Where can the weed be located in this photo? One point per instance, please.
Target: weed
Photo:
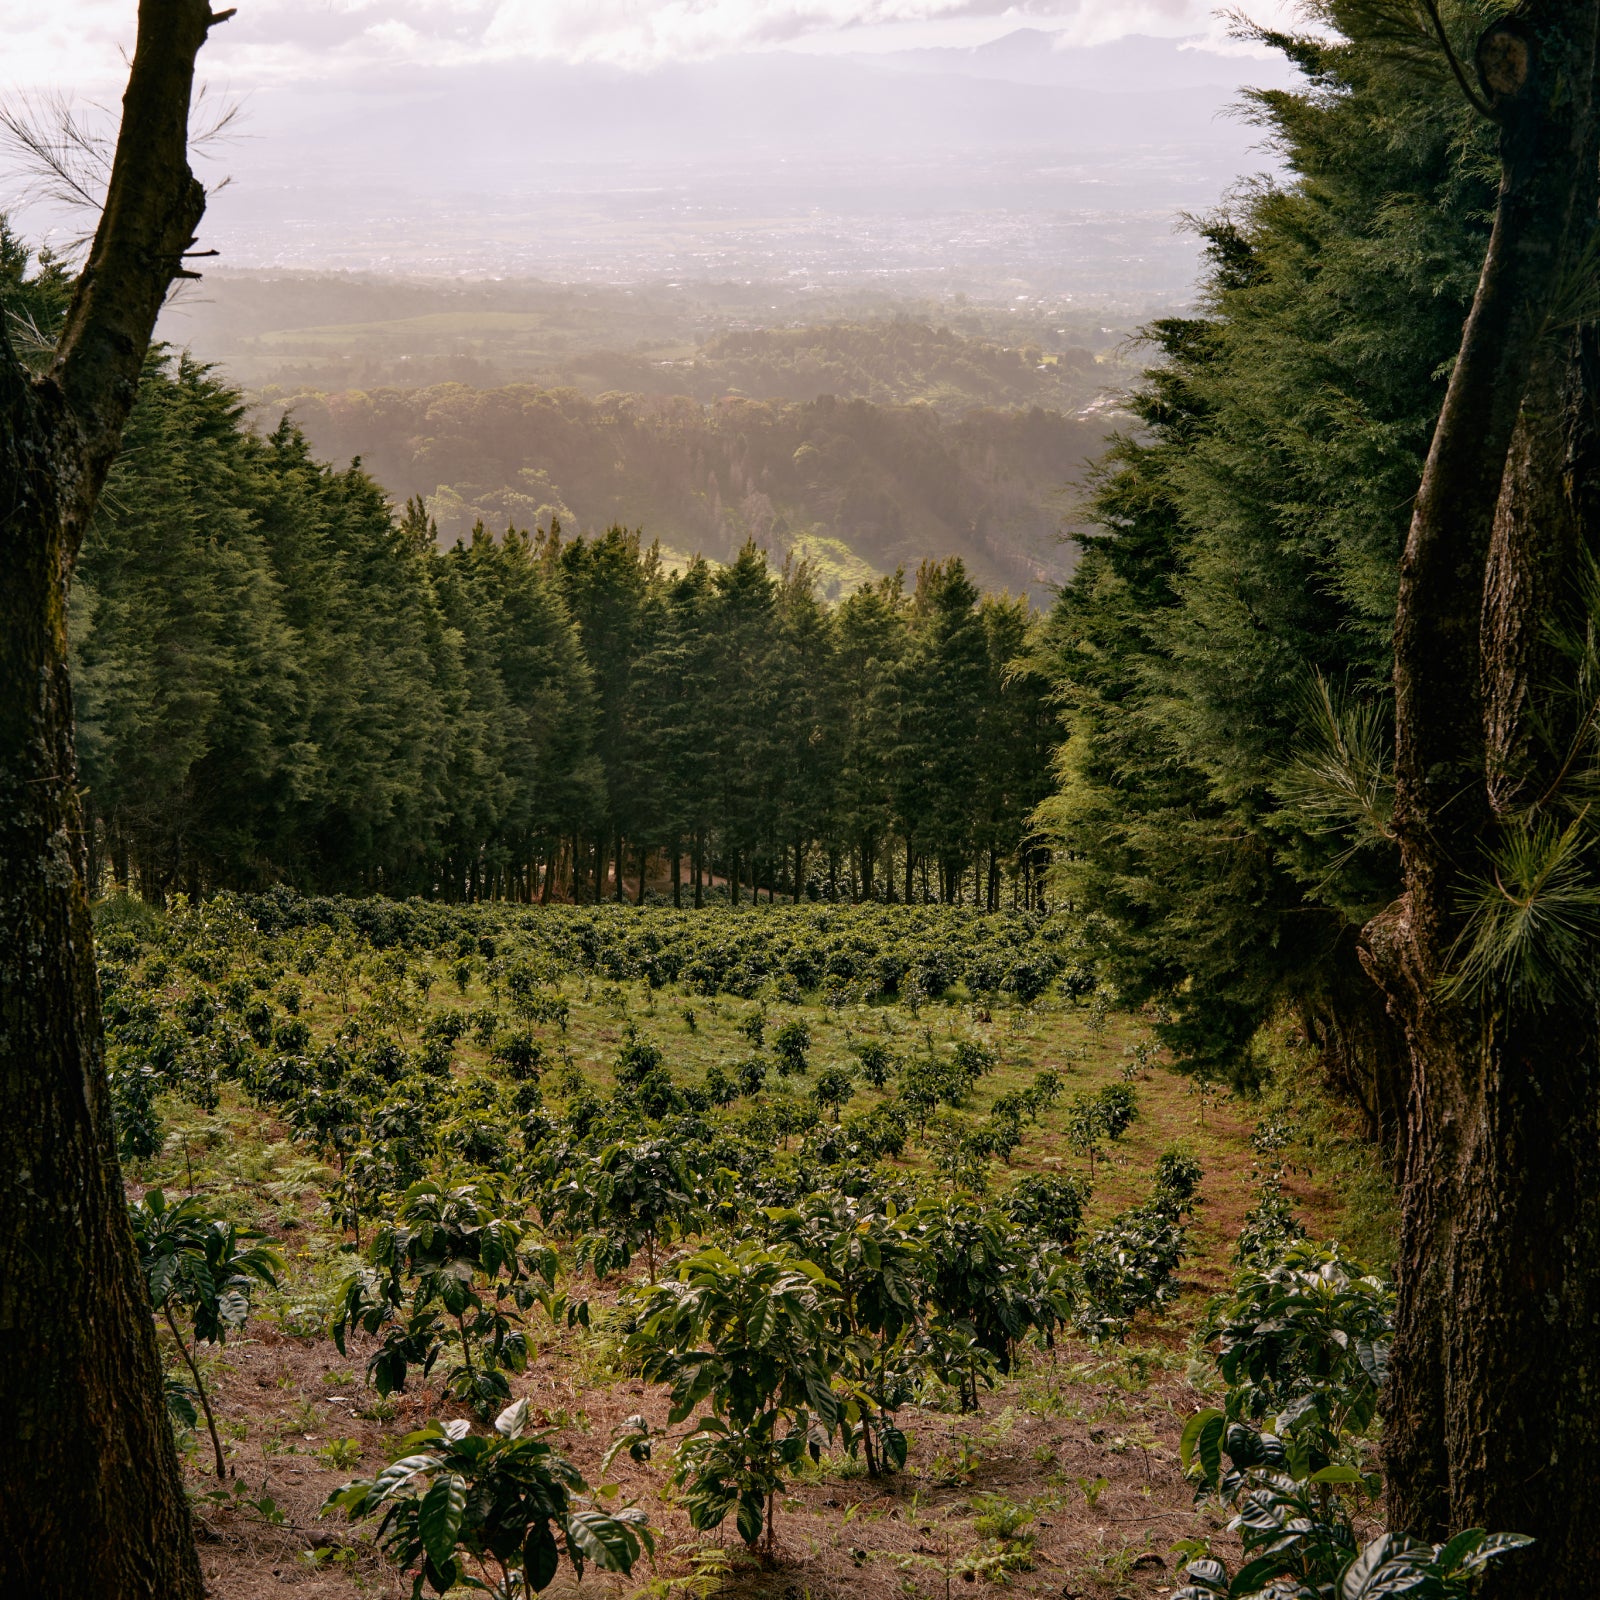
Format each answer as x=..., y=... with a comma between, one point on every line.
x=1113, y=1567
x=326, y=1556
x=999, y=1518
x=241, y=1497
x=710, y=1569
x=341, y=1454
x=303, y=1417
x=956, y=1466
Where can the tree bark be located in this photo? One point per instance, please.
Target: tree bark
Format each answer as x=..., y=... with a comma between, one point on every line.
x=1361, y=1051
x=1492, y=1411
x=91, y=1496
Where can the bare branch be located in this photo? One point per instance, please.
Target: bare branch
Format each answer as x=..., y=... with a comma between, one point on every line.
x=62, y=151
x=153, y=206
x=1474, y=99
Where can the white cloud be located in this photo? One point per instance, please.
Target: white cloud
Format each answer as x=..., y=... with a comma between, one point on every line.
x=80, y=42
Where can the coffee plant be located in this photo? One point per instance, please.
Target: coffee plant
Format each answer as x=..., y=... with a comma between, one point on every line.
x=494, y=1513
x=1302, y=1343
x=800, y=1224
x=201, y=1269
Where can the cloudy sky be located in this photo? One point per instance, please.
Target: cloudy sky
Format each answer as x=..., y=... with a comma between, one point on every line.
x=79, y=43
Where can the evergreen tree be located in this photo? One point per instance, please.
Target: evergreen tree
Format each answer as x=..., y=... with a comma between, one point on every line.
x=944, y=683
x=746, y=753
x=871, y=629
x=91, y=1492
x=806, y=753
x=1237, y=603
x=678, y=727
x=281, y=679
x=608, y=584
x=1016, y=736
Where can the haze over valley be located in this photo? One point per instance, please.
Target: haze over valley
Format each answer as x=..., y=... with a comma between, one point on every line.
x=1022, y=164
x=976, y=229
x=703, y=248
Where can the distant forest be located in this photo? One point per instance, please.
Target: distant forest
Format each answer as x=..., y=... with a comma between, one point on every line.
x=891, y=362
x=332, y=331
x=892, y=482
x=279, y=680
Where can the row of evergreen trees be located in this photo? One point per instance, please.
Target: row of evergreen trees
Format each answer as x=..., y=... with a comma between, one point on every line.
x=278, y=679
x=1224, y=651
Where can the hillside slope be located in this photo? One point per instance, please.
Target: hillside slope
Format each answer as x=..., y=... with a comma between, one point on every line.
x=895, y=483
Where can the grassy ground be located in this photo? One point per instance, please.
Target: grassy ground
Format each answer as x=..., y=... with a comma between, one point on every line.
x=1066, y=1483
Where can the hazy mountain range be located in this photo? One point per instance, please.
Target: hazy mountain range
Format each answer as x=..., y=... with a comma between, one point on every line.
x=1018, y=163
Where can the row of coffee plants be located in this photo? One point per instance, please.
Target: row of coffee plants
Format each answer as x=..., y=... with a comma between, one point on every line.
x=808, y=1270
x=866, y=951
x=1302, y=1350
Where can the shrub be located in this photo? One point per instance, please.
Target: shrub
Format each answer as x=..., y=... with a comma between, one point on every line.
x=1049, y=1206
x=1307, y=1338
x=834, y=1087
x=1128, y=1267
x=637, y=1060
x=791, y=1044
x=519, y=1052
x=874, y=1062
x=492, y=1512
x=1178, y=1177
x=193, y=1264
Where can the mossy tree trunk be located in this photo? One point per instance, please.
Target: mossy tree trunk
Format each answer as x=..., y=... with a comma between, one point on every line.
x=91, y=1496
x=1493, y=1406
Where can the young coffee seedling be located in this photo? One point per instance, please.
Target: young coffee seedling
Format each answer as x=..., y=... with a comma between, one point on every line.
x=194, y=1266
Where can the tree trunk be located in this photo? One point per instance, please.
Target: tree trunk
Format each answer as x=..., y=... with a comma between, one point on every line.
x=1492, y=1410
x=1361, y=1052
x=91, y=1496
